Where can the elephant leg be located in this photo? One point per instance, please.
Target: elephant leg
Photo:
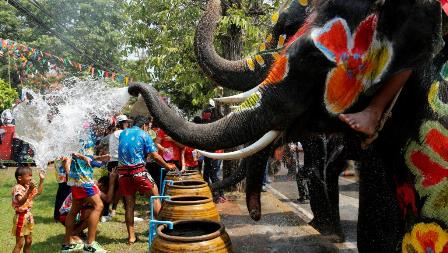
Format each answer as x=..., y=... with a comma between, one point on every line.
x=379, y=220
x=333, y=172
x=314, y=163
x=256, y=165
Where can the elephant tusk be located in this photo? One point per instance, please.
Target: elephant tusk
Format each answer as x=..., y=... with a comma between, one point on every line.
x=247, y=151
x=238, y=98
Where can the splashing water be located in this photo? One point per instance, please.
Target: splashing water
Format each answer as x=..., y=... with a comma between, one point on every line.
x=55, y=122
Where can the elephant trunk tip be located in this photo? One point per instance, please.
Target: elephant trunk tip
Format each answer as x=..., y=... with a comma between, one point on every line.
x=255, y=214
x=133, y=89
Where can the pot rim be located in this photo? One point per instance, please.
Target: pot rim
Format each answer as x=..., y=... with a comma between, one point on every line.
x=210, y=236
x=187, y=173
x=206, y=199
x=200, y=184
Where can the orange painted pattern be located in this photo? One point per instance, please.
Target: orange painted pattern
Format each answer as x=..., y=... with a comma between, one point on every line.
x=278, y=71
x=342, y=90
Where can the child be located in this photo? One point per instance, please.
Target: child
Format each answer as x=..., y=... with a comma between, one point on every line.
x=107, y=187
x=23, y=194
x=84, y=190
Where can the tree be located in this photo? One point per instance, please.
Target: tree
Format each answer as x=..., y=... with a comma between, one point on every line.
x=7, y=95
x=165, y=29
x=94, y=28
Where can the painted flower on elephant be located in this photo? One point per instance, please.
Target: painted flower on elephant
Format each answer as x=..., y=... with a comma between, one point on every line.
x=428, y=160
x=434, y=101
x=425, y=238
x=361, y=60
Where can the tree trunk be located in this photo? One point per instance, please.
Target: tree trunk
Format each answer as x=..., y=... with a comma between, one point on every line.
x=232, y=49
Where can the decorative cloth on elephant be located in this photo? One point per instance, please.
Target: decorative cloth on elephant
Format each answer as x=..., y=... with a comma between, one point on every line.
x=361, y=60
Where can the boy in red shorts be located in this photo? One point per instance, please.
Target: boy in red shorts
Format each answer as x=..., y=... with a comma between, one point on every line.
x=84, y=191
x=23, y=194
x=134, y=147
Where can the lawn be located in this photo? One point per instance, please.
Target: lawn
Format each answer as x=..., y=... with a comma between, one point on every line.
x=48, y=235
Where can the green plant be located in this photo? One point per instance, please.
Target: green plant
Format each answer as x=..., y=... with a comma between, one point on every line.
x=7, y=95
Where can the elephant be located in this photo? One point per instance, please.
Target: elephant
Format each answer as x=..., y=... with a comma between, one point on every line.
x=335, y=63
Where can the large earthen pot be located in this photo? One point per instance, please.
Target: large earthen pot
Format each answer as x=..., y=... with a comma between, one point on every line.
x=188, y=175
x=188, y=187
x=186, y=207
x=195, y=236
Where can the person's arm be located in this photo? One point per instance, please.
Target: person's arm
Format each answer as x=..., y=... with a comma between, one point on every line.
x=110, y=192
x=162, y=162
x=40, y=188
x=21, y=199
x=83, y=157
x=66, y=161
x=102, y=158
x=159, y=146
x=183, y=158
x=168, y=138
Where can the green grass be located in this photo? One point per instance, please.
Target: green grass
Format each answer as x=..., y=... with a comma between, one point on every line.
x=48, y=235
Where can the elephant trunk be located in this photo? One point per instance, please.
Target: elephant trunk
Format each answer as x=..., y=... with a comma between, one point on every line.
x=241, y=75
x=254, y=182
x=230, y=131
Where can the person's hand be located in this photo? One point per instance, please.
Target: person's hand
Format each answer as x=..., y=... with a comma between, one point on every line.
x=42, y=174
x=113, y=175
x=32, y=186
x=183, y=170
x=171, y=166
x=107, y=157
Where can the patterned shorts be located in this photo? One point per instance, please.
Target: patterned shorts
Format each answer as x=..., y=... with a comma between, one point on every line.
x=84, y=191
x=23, y=224
x=133, y=180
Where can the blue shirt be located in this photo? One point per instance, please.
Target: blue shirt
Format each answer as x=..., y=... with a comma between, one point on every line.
x=134, y=145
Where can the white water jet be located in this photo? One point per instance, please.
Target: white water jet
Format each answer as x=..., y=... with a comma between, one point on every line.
x=54, y=123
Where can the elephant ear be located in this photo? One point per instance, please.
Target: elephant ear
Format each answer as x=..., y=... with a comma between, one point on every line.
x=332, y=39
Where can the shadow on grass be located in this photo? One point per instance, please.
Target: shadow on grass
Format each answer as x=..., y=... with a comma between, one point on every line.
x=43, y=219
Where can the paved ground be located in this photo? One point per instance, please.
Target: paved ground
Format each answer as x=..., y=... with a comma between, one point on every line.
x=286, y=191
x=279, y=230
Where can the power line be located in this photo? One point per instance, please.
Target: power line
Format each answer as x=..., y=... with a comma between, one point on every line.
x=16, y=4
x=104, y=60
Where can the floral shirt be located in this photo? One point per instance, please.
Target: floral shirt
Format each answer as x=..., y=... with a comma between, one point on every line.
x=19, y=191
x=81, y=174
x=134, y=145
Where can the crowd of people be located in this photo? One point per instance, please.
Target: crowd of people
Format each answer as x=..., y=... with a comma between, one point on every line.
x=132, y=151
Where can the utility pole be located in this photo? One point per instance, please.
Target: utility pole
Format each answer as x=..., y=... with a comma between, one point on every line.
x=9, y=69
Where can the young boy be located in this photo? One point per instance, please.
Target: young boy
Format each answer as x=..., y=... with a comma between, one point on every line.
x=84, y=191
x=23, y=194
x=107, y=187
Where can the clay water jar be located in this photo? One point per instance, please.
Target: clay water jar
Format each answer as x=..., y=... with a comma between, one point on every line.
x=188, y=187
x=189, y=207
x=196, y=236
x=188, y=175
